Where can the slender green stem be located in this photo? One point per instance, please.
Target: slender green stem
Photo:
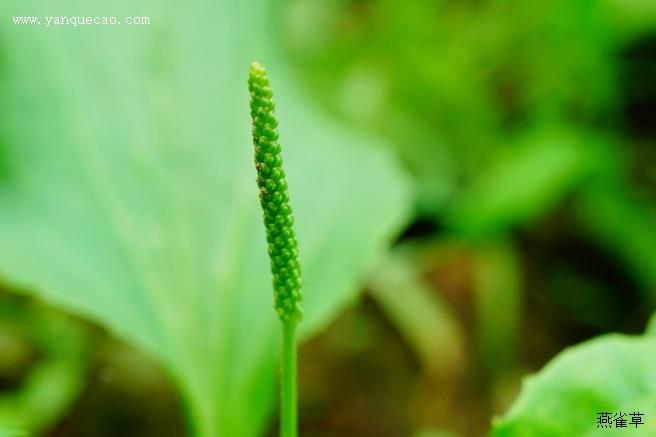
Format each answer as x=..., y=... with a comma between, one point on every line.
x=288, y=396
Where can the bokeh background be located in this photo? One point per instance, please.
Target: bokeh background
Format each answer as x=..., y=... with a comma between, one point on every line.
x=527, y=131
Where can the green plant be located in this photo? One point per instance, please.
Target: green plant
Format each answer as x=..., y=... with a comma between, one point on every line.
x=281, y=239
x=55, y=379
x=612, y=373
x=133, y=203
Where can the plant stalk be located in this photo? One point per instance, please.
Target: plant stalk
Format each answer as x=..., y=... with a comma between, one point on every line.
x=288, y=395
x=281, y=239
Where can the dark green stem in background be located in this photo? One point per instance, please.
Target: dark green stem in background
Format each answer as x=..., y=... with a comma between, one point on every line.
x=281, y=239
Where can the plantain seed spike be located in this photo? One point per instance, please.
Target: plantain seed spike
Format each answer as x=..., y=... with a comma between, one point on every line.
x=278, y=219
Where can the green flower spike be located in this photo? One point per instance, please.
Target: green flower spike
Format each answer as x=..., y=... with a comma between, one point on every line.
x=283, y=249
x=278, y=219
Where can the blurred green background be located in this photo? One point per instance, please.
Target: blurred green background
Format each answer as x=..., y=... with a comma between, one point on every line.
x=513, y=184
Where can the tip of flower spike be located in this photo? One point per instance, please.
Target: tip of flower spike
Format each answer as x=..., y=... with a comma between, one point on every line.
x=257, y=69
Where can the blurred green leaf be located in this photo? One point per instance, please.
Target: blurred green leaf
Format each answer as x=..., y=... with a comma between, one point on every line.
x=422, y=317
x=633, y=16
x=8, y=431
x=613, y=373
x=53, y=383
x=47, y=393
x=130, y=194
x=522, y=183
x=623, y=222
x=651, y=325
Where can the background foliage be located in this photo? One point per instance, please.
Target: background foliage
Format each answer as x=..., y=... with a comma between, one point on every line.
x=482, y=172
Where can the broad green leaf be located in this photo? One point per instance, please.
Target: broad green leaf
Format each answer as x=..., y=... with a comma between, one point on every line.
x=128, y=193
x=613, y=373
